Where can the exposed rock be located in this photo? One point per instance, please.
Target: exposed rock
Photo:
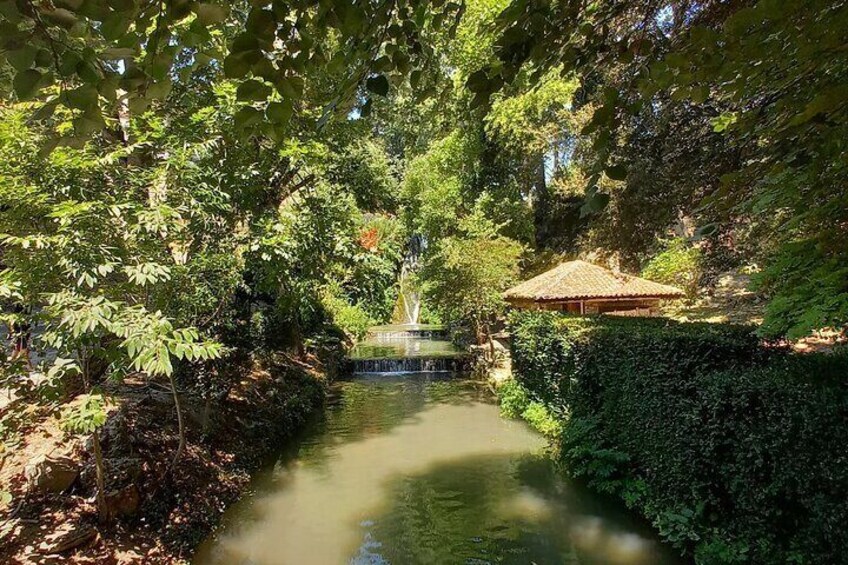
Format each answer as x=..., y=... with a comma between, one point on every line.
x=9, y=530
x=128, y=557
x=500, y=345
x=67, y=537
x=123, y=503
x=49, y=474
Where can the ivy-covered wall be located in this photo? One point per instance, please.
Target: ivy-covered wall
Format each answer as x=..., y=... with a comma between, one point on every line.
x=736, y=452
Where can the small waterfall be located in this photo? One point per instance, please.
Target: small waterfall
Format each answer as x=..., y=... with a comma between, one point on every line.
x=407, y=348
x=408, y=365
x=390, y=334
x=409, y=298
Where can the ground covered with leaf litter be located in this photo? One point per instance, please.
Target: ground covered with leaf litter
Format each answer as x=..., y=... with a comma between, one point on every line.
x=160, y=516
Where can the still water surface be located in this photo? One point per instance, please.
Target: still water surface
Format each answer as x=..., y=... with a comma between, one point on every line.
x=422, y=469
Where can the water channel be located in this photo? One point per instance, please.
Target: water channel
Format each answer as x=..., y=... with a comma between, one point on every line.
x=420, y=468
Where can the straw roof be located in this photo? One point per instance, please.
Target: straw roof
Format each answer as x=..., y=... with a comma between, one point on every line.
x=579, y=280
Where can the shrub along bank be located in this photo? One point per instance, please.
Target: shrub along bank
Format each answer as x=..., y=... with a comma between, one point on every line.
x=515, y=402
x=735, y=452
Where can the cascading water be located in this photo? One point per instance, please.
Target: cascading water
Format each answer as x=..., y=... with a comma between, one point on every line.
x=408, y=307
x=407, y=348
x=409, y=300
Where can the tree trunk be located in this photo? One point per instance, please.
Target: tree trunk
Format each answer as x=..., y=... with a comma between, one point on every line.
x=491, y=342
x=180, y=425
x=207, y=415
x=541, y=202
x=300, y=348
x=102, y=508
x=478, y=332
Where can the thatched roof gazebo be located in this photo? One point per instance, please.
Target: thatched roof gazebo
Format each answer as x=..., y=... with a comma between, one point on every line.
x=583, y=288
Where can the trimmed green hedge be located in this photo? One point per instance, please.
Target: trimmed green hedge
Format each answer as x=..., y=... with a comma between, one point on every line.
x=735, y=452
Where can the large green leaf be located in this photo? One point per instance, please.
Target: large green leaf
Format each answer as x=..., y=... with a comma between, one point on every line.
x=115, y=26
x=247, y=117
x=291, y=87
x=22, y=58
x=26, y=83
x=594, y=203
x=616, y=172
x=236, y=65
x=279, y=112
x=253, y=90
x=378, y=85
x=210, y=14
x=478, y=82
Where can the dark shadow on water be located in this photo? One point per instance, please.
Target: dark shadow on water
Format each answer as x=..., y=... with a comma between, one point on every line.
x=504, y=509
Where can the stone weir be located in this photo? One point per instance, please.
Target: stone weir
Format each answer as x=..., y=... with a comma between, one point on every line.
x=393, y=332
x=407, y=348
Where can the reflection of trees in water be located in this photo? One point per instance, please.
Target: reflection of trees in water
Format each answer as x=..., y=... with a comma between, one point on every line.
x=460, y=513
x=369, y=406
x=503, y=509
x=435, y=492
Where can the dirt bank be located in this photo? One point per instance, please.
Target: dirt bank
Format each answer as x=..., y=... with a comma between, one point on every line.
x=163, y=516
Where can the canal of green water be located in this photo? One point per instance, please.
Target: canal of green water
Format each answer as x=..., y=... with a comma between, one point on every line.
x=421, y=468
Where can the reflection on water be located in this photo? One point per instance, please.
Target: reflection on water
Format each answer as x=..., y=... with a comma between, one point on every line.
x=423, y=470
x=404, y=349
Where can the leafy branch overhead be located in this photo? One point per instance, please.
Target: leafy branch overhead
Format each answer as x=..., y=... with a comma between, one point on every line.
x=94, y=57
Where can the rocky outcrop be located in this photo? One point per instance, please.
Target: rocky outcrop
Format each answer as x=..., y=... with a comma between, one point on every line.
x=50, y=474
x=123, y=503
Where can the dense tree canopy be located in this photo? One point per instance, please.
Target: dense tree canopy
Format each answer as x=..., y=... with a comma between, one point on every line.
x=184, y=182
x=734, y=111
x=91, y=56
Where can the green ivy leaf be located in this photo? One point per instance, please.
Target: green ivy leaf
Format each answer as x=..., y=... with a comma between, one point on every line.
x=236, y=65
x=81, y=98
x=46, y=111
x=379, y=85
x=253, y=90
x=279, y=112
x=477, y=82
x=700, y=94
x=26, y=83
x=210, y=14
x=247, y=117
x=415, y=78
x=594, y=203
x=115, y=26
x=291, y=87
x=23, y=58
x=616, y=172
